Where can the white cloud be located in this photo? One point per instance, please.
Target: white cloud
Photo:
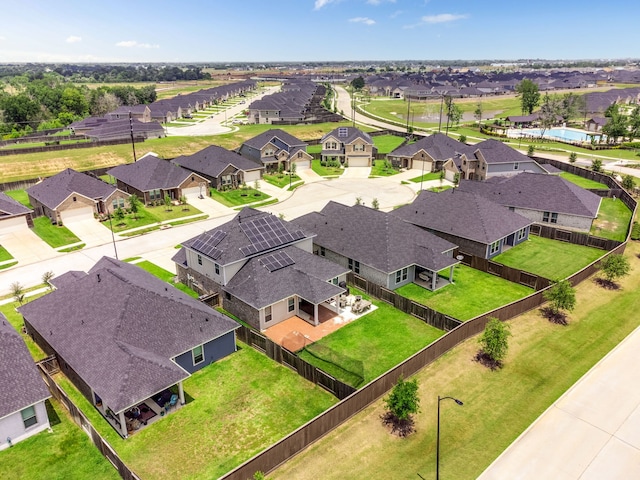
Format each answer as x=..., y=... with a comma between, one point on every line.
x=378, y=2
x=442, y=18
x=73, y=39
x=396, y=13
x=133, y=43
x=365, y=20
x=321, y=3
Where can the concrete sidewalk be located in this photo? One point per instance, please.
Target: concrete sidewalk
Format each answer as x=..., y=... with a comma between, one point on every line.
x=591, y=433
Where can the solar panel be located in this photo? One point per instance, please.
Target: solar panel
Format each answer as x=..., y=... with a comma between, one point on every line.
x=265, y=233
x=207, y=243
x=343, y=132
x=276, y=261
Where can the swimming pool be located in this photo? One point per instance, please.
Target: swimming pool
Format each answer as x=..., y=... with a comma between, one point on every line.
x=562, y=134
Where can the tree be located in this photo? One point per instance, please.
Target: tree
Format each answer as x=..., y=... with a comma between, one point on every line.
x=134, y=205
x=401, y=404
x=456, y=179
x=573, y=156
x=614, y=267
x=477, y=113
x=628, y=183
x=293, y=168
x=118, y=214
x=441, y=175
x=596, y=165
x=167, y=203
x=494, y=343
x=463, y=138
x=357, y=83
x=634, y=123
x=561, y=296
x=549, y=112
x=46, y=279
x=529, y=95
x=17, y=291
x=571, y=106
x=617, y=125
x=531, y=150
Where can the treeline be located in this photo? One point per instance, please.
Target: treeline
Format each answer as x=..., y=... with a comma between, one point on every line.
x=48, y=101
x=108, y=73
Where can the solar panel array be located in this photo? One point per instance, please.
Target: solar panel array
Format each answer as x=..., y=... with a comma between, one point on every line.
x=343, y=132
x=207, y=244
x=276, y=261
x=265, y=233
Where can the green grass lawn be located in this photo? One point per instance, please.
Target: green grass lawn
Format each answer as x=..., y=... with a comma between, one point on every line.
x=440, y=189
x=548, y=258
x=16, y=320
x=387, y=143
x=544, y=360
x=54, y=235
x=280, y=180
x=66, y=453
x=473, y=293
x=383, y=168
x=583, y=182
x=20, y=196
x=4, y=254
x=380, y=340
x=241, y=404
x=150, y=215
x=426, y=177
x=311, y=149
x=165, y=275
x=612, y=221
x=325, y=171
x=233, y=198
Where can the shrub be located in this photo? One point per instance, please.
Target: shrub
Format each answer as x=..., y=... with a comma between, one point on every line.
x=635, y=231
x=531, y=150
x=401, y=404
x=494, y=343
x=463, y=138
x=573, y=157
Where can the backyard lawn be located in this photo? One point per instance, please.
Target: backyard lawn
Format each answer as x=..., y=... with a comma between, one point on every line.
x=548, y=258
x=165, y=275
x=20, y=196
x=543, y=361
x=613, y=220
x=380, y=340
x=240, y=196
x=473, y=293
x=325, y=171
x=152, y=215
x=16, y=320
x=387, y=143
x=235, y=408
x=54, y=235
x=280, y=180
x=583, y=182
x=382, y=168
x=311, y=149
x=66, y=453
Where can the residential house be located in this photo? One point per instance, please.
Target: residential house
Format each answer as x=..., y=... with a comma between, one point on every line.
x=223, y=168
x=350, y=145
x=13, y=215
x=544, y=199
x=152, y=178
x=477, y=225
x=139, y=112
x=22, y=397
x=263, y=268
x=380, y=247
x=126, y=339
x=276, y=147
x=72, y=196
x=595, y=124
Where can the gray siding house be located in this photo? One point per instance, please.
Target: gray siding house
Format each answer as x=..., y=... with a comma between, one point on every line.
x=276, y=147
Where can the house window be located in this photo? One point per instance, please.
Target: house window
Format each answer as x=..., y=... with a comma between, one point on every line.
x=227, y=296
x=117, y=203
x=216, y=268
x=198, y=355
x=322, y=252
x=291, y=304
x=495, y=246
x=522, y=233
x=226, y=180
x=402, y=275
x=354, y=265
x=299, y=154
x=549, y=217
x=331, y=146
x=74, y=199
x=155, y=195
x=358, y=148
x=29, y=417
x=199, y=259
x=267, y=314
x=516, y=166
x=269, y=153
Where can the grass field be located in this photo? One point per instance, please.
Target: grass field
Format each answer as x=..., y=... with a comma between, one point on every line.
x=472, y=293
x=241, y=404
x=613, y=220
x=65, y=453
x=166, y=276
x=583, y=182
x=380, y=340
x=233, y=198
x=548, y=258
x=544, y=360
x=387, y=143
x=54, y=235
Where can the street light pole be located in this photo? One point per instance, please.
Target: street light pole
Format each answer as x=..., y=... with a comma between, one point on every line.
x=438, y=433
x=440, y=120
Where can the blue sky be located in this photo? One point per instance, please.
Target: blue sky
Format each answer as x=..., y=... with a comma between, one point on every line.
x=316, y=30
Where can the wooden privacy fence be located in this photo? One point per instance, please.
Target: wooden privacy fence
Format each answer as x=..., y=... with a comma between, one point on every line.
x=285, y=357
x=82, y=421
x=69, y=146
x=577, y=238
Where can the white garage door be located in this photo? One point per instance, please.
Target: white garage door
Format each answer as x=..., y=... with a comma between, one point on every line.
x=303, y=164
x=358, y=162
x=193, y=192
x=422, y=166
x=449, y=175
x=77, y=215
x=13, y=224
x=251, y=176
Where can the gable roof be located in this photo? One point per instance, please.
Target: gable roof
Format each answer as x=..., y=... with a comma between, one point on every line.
x=438, y=146
x=306, y=275
x=52, y=191
x=119, y=327
x=537, y=191
x=374, y=238
x=22, y=385
x=213, y=160
x=261, y=140
x=462, y=214
x=494, y=151
x=347, y=135
x=150, y=173
x=10, y=207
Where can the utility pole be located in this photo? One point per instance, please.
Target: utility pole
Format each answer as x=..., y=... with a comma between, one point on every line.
x=133, y=143
x=408, y=110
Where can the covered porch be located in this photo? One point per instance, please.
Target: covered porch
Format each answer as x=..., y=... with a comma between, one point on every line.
x=432, y=280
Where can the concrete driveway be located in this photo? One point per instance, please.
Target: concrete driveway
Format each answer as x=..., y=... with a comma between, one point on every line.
x=90, y=231
x=26, y=247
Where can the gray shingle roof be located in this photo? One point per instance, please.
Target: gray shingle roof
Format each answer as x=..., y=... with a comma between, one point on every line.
x=536, y=191
x=308, y=278
x=119, y=327
x=495, y=151
x=213, y=160
x=10, y=207
x=350, y=134
x=261, y=140
x=438, y=145
x=462, y=214
x=150, y=173
x=22, y=385
x=375, y=238
x=52, y=191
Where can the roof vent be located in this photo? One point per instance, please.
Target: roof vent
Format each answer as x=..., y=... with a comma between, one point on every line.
x=98, y=278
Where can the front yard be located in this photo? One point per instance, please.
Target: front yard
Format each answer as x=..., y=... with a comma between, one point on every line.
x=613, y=220
x=380, y=340
x=280, y=180
x=240, y=196
x=152, y=215
x=325, y=170
x=548, y=258
x=472, y=293
x=4, y=254
x=426, y=177
x=55, y=235
x=235, y=408
x=383, y=168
